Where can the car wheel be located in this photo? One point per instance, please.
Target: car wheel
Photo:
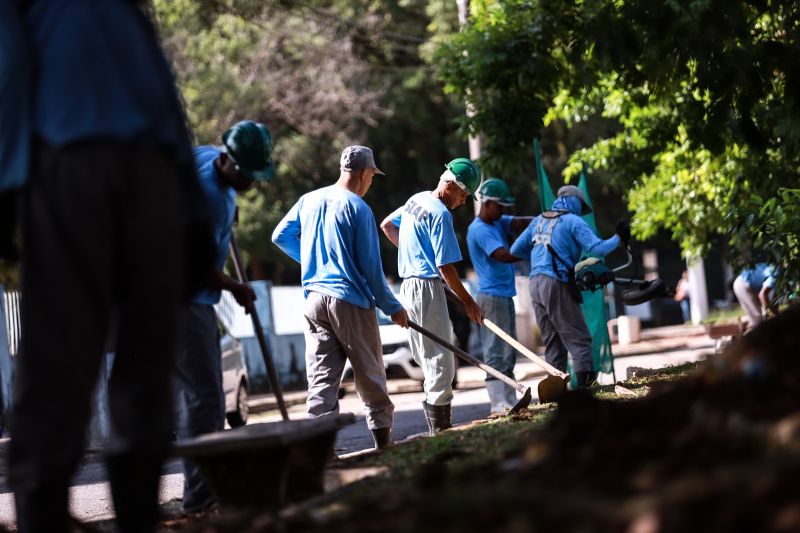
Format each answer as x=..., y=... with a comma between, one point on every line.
x=238, y=417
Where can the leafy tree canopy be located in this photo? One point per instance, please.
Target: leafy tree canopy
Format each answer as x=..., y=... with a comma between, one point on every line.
x=704, y=94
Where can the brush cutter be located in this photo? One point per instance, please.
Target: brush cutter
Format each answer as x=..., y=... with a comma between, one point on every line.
x=591, y=274
x=526, y=391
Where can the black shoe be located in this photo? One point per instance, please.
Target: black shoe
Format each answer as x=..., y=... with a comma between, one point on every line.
x=437, y=416
x=382, y=438
x=586, y=379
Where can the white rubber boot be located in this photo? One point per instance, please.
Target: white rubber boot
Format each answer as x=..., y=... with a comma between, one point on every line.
x=498, y=402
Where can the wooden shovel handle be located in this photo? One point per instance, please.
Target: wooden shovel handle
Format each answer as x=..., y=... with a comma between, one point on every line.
x=550, y=369
x=467, y=357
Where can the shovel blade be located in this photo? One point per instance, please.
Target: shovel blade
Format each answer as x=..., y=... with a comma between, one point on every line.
x=552, y=389
x=523, y=402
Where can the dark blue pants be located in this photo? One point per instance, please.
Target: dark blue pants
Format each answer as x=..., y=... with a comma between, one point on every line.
x=200, y=398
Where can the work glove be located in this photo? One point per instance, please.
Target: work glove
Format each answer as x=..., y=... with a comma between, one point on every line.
x=624, y=230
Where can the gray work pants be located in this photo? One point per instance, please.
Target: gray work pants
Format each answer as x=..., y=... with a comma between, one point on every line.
x=748, y=299
x=561, y=322
x=425, y=302
x=497, y=353
x=200, y=398
x=335, y=332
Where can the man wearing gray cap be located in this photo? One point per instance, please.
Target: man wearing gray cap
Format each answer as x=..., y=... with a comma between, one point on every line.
x=332, y=233
x=554, y=241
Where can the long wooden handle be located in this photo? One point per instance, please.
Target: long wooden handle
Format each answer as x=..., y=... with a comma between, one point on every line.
x=468, y=358
x=272, y=372
x=550, y=369
x=547, y=367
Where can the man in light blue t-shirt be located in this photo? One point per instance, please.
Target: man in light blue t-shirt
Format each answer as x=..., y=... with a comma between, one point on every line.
x=332, y=233
x=244, y=158
x=423, y=231
x=753, y=288
x=554, y=241
x=487, y=241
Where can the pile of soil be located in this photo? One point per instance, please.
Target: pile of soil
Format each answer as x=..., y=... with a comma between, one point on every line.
x=717, y=451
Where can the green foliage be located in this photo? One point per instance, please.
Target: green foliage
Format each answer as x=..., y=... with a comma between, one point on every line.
x=321, y=75
x=704, y=95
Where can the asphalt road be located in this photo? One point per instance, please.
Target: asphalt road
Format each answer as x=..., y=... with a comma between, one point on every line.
x=90, y=496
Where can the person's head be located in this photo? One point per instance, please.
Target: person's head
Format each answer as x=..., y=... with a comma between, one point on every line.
x=247, y=155
x=494, y=196
x=460, y=179
x=573, y=199
x=357, y=168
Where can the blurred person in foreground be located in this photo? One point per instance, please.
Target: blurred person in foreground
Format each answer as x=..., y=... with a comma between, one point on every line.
x=94, y=141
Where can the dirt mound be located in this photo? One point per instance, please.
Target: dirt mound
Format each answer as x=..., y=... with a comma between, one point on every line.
x=717, y=451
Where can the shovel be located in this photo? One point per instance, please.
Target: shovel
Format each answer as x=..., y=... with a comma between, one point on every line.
x=524, y=402
x=550, y=389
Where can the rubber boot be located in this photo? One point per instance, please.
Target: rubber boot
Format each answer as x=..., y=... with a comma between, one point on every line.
x=437, y=416
x=498, y=402
x=585, y=379
x=382, y=438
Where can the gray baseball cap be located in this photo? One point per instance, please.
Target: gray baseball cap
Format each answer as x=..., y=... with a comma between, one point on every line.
x=571, y=190
x=357, y=158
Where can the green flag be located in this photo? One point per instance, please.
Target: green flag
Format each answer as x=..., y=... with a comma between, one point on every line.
x=594, y=305
x=546, y=196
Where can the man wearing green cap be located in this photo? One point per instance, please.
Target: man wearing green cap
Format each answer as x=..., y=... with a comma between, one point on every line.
x=244, y=158
x=422, y=229
x=487, y=241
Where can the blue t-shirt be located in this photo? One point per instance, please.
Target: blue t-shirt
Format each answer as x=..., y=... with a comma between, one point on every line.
x=221, y=200
x=571, y=237
x=332, y=233
x=83, y=69
x=427, y=237
x=762, y=275
x=494, y=277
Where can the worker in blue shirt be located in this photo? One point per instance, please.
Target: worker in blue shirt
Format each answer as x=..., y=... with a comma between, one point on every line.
x=555, y=241
x=487, y=242
x=244, y=158
x=753, y=288
x=422, y=229
x=94, y=133
x=332, y=233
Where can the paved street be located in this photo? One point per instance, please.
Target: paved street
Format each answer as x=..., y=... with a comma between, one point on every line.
x=91, y=498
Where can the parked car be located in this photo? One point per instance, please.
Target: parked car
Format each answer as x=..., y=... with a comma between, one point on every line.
x=397, y=358
x=234, y=381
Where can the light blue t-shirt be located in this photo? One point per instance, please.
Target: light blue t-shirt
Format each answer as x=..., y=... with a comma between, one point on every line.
x=762, y=275
x=427, y=237
x=494, y=277
x=570, y=238
x=72, y=70
x=222, y=203
x=332, y=233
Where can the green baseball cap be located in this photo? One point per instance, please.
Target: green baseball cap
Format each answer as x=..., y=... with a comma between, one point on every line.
x=249, y=144
x=464, y=172
x=496, y=190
